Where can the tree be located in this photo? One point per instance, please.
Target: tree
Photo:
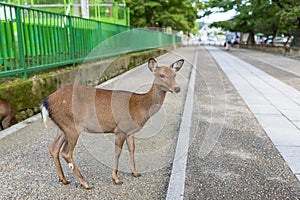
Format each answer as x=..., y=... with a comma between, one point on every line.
x=271, y=17
x=177, y=14
x=252, y=16
x=289, y=10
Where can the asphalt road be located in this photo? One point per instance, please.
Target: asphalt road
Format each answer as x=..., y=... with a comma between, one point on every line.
x=230, y=156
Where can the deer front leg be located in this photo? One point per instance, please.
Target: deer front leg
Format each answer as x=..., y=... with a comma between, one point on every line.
x=119, y=141
x=131, y=148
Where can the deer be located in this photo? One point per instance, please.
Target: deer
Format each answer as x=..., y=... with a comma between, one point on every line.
x=77, y=109
x=7, y=114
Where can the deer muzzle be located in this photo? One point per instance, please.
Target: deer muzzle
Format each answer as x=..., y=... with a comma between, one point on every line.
x=177, y=89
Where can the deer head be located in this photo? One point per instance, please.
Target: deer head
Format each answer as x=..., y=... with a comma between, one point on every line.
x=165, y=76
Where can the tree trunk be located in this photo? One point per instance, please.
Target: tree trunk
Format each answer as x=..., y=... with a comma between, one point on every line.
x=251, y=39
x=296, y=40
x=296, y=33
x=149, y=12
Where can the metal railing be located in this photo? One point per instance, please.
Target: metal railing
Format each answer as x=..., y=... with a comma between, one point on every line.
x=33, y=39
x=110, y=11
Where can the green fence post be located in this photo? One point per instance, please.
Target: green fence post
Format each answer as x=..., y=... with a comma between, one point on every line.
x=2, y=53
x=71, y=39
x=127, y=10
x=20, y=41
x=115, y=12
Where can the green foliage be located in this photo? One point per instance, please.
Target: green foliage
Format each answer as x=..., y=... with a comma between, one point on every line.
x=270, y=17
x=177, y=14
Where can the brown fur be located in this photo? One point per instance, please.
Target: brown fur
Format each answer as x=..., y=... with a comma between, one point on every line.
x=75, y=109
x=7, y=114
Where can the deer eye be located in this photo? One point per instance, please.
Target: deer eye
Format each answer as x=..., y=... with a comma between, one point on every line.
x=162, y=76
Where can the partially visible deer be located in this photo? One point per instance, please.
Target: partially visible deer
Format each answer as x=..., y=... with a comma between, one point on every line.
x=75, y=109
x=7, y=114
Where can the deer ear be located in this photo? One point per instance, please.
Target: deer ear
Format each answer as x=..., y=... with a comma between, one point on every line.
x=152, y=64
x=177, y=65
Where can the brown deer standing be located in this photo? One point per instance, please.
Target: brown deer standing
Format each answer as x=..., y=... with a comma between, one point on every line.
x=7, y=114
x=75, y=109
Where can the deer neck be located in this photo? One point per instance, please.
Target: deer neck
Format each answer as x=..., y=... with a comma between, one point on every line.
x=154, y=99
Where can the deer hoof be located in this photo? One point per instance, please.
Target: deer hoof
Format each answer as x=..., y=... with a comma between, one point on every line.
x=65, y=182
x=118, y=182
x=89, y=188
x=136, y=174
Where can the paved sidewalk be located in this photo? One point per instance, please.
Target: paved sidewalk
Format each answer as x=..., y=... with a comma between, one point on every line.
x=288, y=64
x=283, y=68
x=275, y=104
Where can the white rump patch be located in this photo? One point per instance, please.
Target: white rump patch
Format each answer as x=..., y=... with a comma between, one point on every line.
x=45, y=114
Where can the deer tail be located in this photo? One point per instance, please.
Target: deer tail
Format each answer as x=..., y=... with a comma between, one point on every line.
x=45, y=111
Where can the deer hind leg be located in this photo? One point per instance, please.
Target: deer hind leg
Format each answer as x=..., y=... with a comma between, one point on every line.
x=6, y=122
x=119, y=141
x=54, y=150
x=71, y=139
x=131, y=148
x=1, y=126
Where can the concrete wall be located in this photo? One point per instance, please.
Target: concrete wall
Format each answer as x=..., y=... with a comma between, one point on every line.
x=27, y=95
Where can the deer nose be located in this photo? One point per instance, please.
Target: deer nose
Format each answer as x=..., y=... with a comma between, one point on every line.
x=177, y=89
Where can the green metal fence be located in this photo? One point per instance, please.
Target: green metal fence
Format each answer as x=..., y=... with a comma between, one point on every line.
x=33, y=40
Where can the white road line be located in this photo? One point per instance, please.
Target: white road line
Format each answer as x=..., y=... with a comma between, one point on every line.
x=177, y=179
x=123, y=75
